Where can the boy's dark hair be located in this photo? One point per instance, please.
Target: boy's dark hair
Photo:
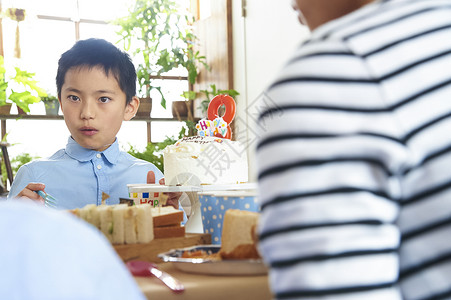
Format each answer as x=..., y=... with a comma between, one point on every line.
x=97, y=52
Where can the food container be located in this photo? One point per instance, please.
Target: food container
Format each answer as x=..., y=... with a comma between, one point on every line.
x=214, y=205
x=141, y=194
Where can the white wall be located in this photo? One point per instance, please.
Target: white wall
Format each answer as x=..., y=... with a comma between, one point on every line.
x=263, y=41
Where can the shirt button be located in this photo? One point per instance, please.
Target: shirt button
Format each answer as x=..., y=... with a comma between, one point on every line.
x=99, y=155
x=99, y=167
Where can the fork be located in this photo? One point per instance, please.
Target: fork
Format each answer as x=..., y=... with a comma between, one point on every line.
x=145, y=268
x=49, y=200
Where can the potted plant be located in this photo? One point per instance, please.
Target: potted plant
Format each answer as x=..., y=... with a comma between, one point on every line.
x=184, y=108
x=20, y=89
x=190, y=62
x=161, y=38
x=51, y=104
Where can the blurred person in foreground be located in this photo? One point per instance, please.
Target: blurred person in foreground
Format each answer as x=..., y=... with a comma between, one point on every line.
x=51, y=255
x=354, y=164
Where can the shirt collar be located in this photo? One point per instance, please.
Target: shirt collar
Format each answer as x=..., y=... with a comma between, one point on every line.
x=74, y=150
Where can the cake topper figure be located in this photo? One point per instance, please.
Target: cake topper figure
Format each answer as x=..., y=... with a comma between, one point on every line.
x=215, y=125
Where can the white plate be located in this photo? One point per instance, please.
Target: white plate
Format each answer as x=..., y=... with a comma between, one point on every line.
x=237, y=194
x=139, y=188
x=213, y=267
x=191, y=188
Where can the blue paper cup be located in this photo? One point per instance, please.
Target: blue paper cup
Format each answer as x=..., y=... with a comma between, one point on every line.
x=214, y=205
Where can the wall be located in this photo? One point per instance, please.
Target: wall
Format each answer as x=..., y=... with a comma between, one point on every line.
x=263, y=39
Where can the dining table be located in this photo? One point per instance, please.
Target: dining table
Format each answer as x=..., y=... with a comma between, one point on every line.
x=246, y=282
x=206, y=286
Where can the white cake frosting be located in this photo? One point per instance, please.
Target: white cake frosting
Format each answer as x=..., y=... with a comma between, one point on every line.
x=205, y=160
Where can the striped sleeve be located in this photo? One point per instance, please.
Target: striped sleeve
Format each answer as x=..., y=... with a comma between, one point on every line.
x=353, y=157
x=328, y=190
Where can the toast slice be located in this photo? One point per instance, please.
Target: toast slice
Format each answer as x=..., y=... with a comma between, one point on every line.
x=239, y=237
x=92, y=215
x=169, y=231
x=120, y=223
x=144, y=223
x=75, y=212
x=166, y=215
x=106, y=220
x=130, y=226
x=118, y=214
x=83, y=212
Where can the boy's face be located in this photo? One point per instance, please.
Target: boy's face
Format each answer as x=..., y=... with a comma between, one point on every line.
x=94, y=107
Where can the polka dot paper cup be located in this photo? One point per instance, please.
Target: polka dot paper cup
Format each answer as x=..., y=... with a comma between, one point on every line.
x=214, y=205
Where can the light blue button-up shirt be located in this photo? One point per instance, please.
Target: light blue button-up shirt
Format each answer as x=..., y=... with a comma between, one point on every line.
x=77, y=176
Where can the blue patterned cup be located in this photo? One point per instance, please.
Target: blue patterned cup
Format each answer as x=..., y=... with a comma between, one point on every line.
x=214, y=205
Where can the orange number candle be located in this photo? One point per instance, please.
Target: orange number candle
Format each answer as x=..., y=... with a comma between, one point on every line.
x=229, y=115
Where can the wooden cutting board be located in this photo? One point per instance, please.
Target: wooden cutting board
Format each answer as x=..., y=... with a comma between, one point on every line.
x=150, y=251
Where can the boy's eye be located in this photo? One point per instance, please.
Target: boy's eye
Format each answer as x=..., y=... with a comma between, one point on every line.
x=73, y=98
x=104, y=99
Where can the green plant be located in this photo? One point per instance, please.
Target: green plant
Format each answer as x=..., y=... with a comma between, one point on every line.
x=20, y=89
x=17, y=162
x=188, y=130
x=153, y=152
x=50, y=101
x=213, y=91
x=162, y=39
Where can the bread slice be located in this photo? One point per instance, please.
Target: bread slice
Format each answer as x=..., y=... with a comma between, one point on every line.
x=162, y=199
x=84, y=212
x=120, y=223
x=75, y=212
x=106, y=220
x=92, y=215
x=118, y=214
x=238, y=240
x=169, y=231
x=144, y=223
x=166, y=215
x=130, y=226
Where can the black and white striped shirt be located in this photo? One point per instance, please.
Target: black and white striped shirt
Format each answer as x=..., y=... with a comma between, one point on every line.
x=355, y=159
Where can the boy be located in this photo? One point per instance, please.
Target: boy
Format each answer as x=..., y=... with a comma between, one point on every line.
x=96, y=85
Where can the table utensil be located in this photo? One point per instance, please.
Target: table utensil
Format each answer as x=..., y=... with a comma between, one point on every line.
x=230, y=267
x=144, y=268
x=49, y=200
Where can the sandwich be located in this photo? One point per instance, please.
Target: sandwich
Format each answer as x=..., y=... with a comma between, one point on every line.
x=118, y=215
x=106, y=220
x=167, y=222
x=144, y=223
x=124, y=224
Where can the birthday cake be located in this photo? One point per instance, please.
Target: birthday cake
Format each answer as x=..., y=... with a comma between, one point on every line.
x=199, y=160
x=211, y=157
